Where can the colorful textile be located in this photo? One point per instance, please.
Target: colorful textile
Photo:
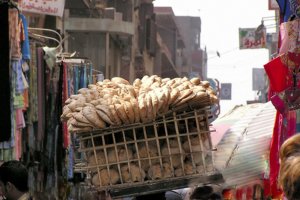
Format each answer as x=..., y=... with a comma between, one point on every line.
x=14, y=34
x=289, y=35
x=65, y=97
x=18, y=78
x=25, y=44
x=41, y=80
x=33, y=97
x=277, y=74
x=279, y=71
x=285, y=9
x=274, y=156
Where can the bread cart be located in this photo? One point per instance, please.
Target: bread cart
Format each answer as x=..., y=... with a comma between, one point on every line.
x=173, y=150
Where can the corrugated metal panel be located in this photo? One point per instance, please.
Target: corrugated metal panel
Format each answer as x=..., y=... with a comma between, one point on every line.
x=240, y=153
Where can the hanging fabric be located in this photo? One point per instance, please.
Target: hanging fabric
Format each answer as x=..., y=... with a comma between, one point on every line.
x=283, y=74
x=285, y=9
x=41, y=96
x=25, y=43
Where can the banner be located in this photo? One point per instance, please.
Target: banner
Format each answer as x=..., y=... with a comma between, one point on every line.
x=45, y=7
x=252, y=38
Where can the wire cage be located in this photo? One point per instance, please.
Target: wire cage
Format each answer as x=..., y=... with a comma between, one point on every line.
x=170, y=153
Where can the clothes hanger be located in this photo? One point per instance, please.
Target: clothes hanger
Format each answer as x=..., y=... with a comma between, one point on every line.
x=60, y=41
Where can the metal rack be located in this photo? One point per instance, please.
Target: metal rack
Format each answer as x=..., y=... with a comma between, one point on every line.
x=170, y=153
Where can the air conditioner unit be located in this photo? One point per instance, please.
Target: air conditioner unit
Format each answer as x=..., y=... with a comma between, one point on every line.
x=109, y=13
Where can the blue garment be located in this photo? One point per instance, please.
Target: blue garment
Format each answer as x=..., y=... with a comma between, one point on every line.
x=17, y=70
x=85, y=76
x=25, y=45
x=285, y=9
x=91, y=74
x=75, y=78
x=71, y=163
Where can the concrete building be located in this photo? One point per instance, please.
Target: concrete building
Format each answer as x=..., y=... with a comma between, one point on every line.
x=194, y=58
x=169, y=41
x=114, y=34
x=131, y=38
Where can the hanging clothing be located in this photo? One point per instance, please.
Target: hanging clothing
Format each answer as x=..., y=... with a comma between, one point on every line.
x=277, y=73
x=289, y=35
x=33, y=97
x=41, y=96
x=280, y=69
x=280, y=73
x=25, y=43
x=285, y=9
x=14, y=34
x=66, y=93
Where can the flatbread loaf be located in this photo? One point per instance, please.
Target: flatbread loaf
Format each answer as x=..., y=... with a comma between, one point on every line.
x=136, y=110
x=142, y=107
x=121, y=113
x=92, y=116
x=80, y=117
x=129, y=111
x=119, y=80
x=196, y=81
x=105, y=109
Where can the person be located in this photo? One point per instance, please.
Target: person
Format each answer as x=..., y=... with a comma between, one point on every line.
x=289, y=147
x=205, y=193
x=14, y=181
x=289, y=172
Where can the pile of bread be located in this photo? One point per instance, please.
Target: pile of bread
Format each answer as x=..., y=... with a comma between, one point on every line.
x=152, y=161
x=116, y=102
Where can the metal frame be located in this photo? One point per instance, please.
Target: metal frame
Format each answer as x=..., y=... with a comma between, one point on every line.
x=181, y=127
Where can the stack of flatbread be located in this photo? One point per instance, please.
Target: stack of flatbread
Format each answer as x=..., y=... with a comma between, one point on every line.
x=116, y=102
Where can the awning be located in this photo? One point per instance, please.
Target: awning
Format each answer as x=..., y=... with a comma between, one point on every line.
x=242, y=139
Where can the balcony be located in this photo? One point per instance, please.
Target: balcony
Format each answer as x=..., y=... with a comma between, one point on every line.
x=110, y=24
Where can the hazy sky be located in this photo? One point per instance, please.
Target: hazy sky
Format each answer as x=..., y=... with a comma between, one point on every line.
x=220, y=21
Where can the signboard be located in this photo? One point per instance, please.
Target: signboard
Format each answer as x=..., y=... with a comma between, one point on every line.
x=252, y=38
x=258, y=79
x=45, y=7
x=225, y=93
x=273, y=5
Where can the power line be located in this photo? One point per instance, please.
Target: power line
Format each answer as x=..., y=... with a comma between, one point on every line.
x=218, y=55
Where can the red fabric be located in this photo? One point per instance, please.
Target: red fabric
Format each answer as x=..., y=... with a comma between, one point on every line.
x=267, y=190
x=249, y=194
x=65, y=97
x=239, y=194
x=277, y=73
x=274, y=156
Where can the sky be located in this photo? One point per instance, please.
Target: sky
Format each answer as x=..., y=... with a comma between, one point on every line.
x=220, y=22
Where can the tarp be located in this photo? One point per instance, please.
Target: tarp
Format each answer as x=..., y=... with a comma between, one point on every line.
x=242, y=138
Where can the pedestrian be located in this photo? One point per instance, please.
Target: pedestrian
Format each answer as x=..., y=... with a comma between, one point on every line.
x=14, y=181
x=205, y=193
x=289, y=173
